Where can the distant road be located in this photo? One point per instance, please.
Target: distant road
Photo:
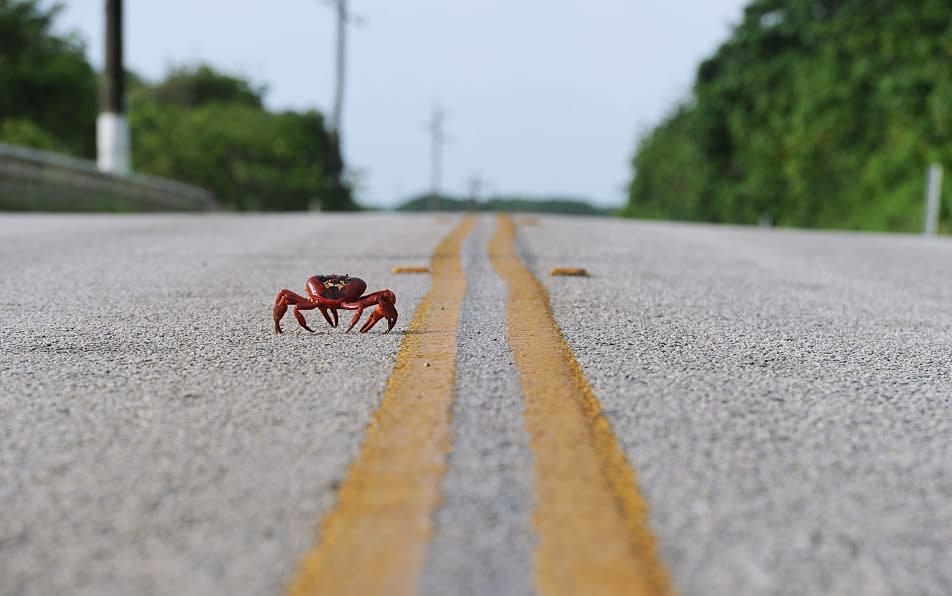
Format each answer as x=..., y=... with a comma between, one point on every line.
x=728, y=411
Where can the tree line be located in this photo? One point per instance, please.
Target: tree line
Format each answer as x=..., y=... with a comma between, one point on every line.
x=814, y=113
x=504, y=204
x=197, y=125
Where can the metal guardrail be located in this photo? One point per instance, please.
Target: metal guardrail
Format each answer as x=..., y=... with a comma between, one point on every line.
x=44, y=181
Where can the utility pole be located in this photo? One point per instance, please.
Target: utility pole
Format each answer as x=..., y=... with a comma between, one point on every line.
x=340, y=199
x=437, y=141
x=343, y=19
x=933, y=199
x=112, y=128
x=476, y=183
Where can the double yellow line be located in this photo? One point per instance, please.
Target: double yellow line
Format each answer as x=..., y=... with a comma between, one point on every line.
x=590, y=519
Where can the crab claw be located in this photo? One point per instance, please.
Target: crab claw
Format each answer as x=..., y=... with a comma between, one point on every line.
x=381, y=312
x=385, y=300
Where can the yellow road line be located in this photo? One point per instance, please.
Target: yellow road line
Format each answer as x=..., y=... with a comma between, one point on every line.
x=590, y=518
x=374, y=539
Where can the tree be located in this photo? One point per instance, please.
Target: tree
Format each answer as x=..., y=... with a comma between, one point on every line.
x=815, y=112
x=210, y=129
x=201, y=85
x=48, y=92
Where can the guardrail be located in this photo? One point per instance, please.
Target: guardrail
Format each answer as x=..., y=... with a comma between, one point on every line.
x=44, y=181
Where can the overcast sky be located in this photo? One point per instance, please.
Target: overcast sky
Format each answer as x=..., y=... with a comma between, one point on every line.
x=542, y=97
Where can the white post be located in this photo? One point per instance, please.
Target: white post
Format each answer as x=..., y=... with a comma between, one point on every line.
x=112, y=142
x=933, y=191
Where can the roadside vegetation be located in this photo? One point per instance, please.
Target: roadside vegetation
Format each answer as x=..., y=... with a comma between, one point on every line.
x=815, y=113
x=212, y=129
x=197, y=125
x=47, y=88
x=563, y=205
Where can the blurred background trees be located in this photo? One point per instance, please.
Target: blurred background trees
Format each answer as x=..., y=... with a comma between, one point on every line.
x=198, y=125
x=517, y=204
x=47, y=88
x=211, y=129
x=815, y=113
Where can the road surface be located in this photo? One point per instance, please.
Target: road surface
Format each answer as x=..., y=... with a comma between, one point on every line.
x=746, y=411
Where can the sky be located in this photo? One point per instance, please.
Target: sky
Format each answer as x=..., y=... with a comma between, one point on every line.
x=542, y=97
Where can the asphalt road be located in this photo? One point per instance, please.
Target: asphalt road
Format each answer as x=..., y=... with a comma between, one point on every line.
x=784, y=397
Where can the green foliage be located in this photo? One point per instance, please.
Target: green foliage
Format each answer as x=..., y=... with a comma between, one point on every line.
x=201, y=86
x=503, y=204
x=663, y=158
x=819, y=113
x=47, y=89
x=210, y=129
x=25, y=132
x=197, y=125
x=428, y=202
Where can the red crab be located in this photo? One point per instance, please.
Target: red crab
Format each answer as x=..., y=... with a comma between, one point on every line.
x=331, y=292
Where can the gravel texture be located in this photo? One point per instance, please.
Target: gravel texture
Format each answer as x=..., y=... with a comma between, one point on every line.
x=784, y=396
x=156, y=437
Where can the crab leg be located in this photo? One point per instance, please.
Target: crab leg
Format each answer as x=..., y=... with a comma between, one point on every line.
x=286, y=298
x=384, y=299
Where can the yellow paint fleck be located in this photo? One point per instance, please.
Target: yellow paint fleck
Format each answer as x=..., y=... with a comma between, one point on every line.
x=591, y=520
x=374, y=539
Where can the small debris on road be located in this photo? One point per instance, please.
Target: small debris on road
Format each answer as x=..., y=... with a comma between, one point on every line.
x=571, y=271
x=411, y=269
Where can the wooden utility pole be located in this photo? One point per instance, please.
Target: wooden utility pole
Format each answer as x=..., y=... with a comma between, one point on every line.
x=335, y=126
x=476, y=184
x=112, y=129
x=437, y=141
x=343, y=19
x=114, y=77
